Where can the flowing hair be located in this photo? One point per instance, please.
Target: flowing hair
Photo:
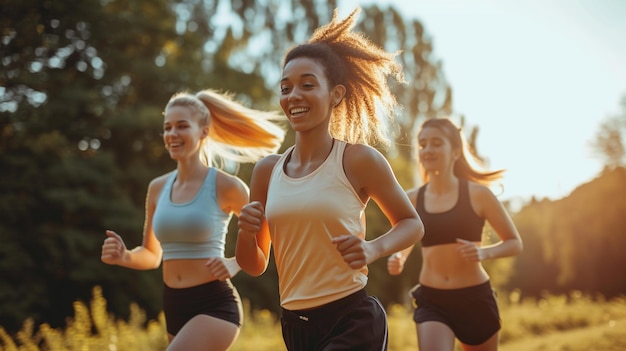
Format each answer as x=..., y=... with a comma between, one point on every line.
x=467, y=165
x=352, y=60
x=236, y=133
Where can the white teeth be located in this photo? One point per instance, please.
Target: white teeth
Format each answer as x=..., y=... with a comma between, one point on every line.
x=297, y=110
x=175, y=144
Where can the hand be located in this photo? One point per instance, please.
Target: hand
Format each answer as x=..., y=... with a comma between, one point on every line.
x=354, y=250
x=251, y=219
x=222, y=268
x=113, y=248
x=470, y=251
x=395, y=263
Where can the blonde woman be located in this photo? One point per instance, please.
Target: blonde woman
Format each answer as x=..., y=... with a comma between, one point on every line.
x=310, y=201
x=187, y=216
x=454, y=298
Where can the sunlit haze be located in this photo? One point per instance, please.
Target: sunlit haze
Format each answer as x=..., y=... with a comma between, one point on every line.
x=536, y=76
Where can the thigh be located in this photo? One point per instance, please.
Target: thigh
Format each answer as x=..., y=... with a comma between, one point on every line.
x=363, y=328
x=490, y=345
x=435, y=336
x=216, y=299
x=204, y=332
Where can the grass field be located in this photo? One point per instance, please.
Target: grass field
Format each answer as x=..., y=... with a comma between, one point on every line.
x=554, y=323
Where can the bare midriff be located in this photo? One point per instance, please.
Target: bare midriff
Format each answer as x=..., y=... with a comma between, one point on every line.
x=186, y=273
x=444, y=268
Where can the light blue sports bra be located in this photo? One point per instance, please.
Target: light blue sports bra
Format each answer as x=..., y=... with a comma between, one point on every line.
x=196, y=229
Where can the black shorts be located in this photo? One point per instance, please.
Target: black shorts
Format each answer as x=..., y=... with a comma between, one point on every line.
x=471, y=313
x=217, y=299
x=356, y=322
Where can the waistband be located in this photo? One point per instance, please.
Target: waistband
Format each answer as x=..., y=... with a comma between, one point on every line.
x=455, y=292
x=213, y=285
x=329, y=309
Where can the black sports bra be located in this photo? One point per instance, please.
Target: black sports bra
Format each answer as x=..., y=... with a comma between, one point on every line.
x=445, y=227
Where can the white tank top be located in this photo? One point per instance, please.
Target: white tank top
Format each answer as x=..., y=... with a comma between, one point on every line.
x=303, y=215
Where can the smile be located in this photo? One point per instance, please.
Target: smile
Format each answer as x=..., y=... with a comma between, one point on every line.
x=298, y=110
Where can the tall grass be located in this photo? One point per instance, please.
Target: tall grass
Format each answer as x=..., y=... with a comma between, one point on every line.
x=573, y=322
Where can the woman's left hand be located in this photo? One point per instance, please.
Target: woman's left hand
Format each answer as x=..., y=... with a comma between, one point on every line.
x=222, y=268
x=354, y=250
x=470, y=251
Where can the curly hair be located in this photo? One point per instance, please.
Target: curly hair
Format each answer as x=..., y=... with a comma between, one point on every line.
x=351, y=59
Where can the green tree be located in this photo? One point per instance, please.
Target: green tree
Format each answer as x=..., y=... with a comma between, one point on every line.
x=575, y=243
x=83, y=85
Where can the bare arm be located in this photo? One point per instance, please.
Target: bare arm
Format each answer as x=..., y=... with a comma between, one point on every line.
x=489, y=207
x=232, y=195
x=395, y=262
x=253, y=239
x=149, y=254
x=372, y=177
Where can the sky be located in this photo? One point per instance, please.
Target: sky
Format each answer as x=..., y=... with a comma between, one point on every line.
x=536, y=76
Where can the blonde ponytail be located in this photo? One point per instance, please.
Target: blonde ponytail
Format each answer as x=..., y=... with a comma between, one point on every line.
x=236, y=133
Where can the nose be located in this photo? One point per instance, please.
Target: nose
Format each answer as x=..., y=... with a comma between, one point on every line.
x=169, y=133
x=294, y=95
x=425, y=149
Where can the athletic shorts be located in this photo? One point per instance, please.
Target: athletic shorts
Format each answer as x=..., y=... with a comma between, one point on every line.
x=471, y=313
x=356, y=322
x=217, y=299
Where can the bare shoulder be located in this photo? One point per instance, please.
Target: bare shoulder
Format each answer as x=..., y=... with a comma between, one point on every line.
x=479, y=191
x=157, y=184
x=263, y=169
x=368, y=171
x=232, y=192
x=155, y=187
x=266, y=164
x=226, y=180
x=361, y=155
x=482, y=198
x=259, y=182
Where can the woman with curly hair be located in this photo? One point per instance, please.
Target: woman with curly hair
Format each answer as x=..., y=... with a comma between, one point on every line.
x=188, y=211
x=310, y=201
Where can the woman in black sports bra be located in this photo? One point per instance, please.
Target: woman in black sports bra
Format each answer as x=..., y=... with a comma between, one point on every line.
x=454, y=298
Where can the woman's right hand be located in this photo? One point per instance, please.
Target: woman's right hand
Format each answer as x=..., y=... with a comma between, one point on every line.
x=395, y=263
x=251, y=219
x=113, y=248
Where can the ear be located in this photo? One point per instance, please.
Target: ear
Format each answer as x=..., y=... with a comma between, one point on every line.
x=205, y=132
x=337, y=94
x=456, y=154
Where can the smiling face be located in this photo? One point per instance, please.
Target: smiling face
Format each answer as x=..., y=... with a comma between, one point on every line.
x=436, y=153
x=182, y=132
x=305, y=94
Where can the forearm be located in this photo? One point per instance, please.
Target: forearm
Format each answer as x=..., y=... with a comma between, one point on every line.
x=401, y=238
x=506, y=248
x=249, y=255
x=406, y=252
x=140, y=258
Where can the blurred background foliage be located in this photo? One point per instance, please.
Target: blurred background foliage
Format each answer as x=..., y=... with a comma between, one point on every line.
x=82, y=88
